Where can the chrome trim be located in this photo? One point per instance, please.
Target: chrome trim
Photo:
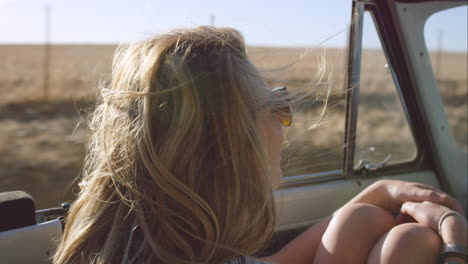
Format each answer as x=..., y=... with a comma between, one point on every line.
x=312, y=178
x=367, y=165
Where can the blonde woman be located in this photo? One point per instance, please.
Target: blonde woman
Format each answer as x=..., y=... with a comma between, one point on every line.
x=183, y=160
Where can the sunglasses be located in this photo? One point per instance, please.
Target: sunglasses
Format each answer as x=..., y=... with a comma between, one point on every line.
x=283, y=111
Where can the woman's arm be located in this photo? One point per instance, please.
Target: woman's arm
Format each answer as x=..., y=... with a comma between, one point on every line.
x=391, y=194
x=387, y=194
x=302, y=249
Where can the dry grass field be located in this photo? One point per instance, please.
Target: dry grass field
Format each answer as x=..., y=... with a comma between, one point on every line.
x=42, y=141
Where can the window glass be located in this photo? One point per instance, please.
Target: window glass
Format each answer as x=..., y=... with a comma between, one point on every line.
x=382, y=125
x=446, y=38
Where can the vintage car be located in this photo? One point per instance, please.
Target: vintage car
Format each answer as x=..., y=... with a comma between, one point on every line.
x=435, y=157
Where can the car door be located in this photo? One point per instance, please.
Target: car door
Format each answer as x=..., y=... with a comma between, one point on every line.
x=395, y=125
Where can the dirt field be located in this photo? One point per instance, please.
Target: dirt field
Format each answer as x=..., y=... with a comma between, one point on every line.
x=42, y=140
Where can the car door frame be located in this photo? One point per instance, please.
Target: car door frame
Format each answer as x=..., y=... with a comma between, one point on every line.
x=448, y=159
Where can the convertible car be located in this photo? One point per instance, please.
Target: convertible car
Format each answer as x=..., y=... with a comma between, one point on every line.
x=435, y=156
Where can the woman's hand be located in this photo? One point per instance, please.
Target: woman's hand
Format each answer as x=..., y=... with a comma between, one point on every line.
x=399, y=192
x=391, y=194
x=454, y=227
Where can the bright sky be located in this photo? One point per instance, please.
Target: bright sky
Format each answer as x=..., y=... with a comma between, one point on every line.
x=263, y=22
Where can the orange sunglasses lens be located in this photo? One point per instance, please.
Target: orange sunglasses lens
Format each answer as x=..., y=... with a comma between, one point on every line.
x=284, y=113
x=285, y=116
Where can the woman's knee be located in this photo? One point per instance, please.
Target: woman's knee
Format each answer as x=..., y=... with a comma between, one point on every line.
x=352, y=233
x=359, y=224
x=367, y=216
x=407, y=243
x=415, y=235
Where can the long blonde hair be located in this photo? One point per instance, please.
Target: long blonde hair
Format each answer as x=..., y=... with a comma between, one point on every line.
x=176, y=170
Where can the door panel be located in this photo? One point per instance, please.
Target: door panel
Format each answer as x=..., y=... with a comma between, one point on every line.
x=301, y=206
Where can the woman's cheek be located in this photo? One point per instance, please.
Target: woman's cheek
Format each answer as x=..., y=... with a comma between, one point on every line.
x=277, y=146
x=274, y=142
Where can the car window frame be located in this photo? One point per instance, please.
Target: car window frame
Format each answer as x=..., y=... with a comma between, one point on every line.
x=386, y=26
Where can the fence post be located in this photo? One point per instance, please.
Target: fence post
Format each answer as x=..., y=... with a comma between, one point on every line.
x=212, y=20
x=46, y=53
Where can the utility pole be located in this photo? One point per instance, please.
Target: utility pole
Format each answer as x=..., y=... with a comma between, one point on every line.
x=46, y=52
x=212, y=20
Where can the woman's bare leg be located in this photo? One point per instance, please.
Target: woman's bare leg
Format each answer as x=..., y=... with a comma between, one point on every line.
x=352, y=234
x=410, y=243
